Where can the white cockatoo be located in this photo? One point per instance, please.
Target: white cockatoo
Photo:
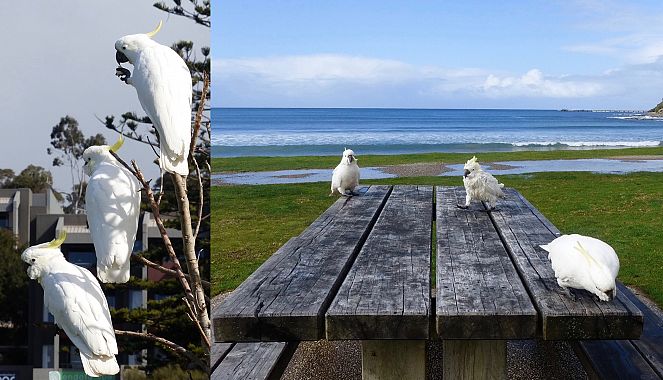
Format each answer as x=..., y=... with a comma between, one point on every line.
x=346, y=174
x=79, y=306
x=112, y=203
x=583, y=262
x=480, y=185
x=163, y=83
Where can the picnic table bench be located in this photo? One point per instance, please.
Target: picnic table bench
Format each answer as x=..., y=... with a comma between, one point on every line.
x=363, y=271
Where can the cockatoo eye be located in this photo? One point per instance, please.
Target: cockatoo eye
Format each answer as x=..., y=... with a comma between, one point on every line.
x=124, y=47
x=33, y=260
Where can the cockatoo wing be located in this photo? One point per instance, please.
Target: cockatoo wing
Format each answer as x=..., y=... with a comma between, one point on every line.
x=336, y=179
x=75, y=299
x=163, y=84
x=490, y=185
x=112, y=203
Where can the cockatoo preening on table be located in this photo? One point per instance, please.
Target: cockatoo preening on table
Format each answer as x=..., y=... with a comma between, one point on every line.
x=583, y=262
x=163, y=84
x=346, y=175
x=112, y=203
x=74, y=297
x=480, y=185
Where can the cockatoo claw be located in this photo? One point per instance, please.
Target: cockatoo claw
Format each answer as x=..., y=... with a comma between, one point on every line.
x=123, y=73
x=462, y=206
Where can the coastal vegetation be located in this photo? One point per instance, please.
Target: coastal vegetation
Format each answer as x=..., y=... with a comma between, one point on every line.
x=658, y=108
x=252, y=222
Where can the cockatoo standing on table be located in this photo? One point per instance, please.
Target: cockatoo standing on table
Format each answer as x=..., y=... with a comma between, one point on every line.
x=583, y=262
x=480, y=185
x=163, y=83
x=112, y=203
x=74, y=297
x=346, y=175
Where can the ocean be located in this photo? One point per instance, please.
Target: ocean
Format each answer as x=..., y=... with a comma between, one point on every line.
x=327, y=131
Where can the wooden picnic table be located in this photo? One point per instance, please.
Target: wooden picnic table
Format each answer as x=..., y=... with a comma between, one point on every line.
x=363, y=271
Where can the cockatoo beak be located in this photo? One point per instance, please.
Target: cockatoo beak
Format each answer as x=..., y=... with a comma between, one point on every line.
x=466, y=173
x=351, y=158
x=121, y=58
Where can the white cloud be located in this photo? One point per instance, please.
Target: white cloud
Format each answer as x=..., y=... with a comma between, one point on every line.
x=534, y=84
x=331, y=76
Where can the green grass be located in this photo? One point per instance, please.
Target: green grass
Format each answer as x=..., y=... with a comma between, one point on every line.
x=255, y=164
x=252, y=222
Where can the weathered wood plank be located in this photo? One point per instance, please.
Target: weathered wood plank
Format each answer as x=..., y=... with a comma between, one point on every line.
x=650, y=343
x=614, y=359
x=523, y=229
x=479, y=293
x=474, y=359
x=393, y=359
x=250, y=361
x=219, y=351
x=285, y=299
x=386, y=295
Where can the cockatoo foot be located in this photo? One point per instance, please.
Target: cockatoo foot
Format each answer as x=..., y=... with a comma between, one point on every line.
x=464, y=207
x=569, y=293
x=123, y=73
x=602, y=296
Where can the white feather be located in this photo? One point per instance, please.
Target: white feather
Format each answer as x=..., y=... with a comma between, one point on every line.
x=583, y=262
x=346, y=175
x=112, y=202
x=481, y=185
x=74, y=297
x=163, y=84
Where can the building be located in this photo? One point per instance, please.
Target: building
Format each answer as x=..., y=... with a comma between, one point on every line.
x=36, y=218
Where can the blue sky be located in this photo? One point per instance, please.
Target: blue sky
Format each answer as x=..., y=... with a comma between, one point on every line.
x=438, y=54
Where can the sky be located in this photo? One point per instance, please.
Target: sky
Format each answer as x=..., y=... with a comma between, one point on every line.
x=58, y=59
x=535, y=54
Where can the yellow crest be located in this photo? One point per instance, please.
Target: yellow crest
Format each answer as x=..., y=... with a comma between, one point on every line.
x=55, y=243
x=155, y=31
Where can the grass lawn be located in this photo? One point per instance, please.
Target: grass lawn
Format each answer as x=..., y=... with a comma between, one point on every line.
x=256, y=164
x=252, y=222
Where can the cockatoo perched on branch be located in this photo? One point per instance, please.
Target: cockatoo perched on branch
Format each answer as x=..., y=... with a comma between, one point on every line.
x=480, y=185
x=163, y=83
x=112, y=202
x=74, y=297
x=346, y=175
x=583, y=262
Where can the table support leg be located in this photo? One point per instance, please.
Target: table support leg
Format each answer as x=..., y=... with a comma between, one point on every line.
x=474, y=359
x=393, y=359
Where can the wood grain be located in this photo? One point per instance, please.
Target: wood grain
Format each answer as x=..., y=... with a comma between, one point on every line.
x=522, y=228
x=479, y=292
x=286, y=297
x=386, y=294
x=249, y=361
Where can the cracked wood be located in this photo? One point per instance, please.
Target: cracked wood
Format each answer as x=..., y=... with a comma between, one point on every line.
x=286, y=298
x=523, y=229
x=386, y=295
x=479, y=293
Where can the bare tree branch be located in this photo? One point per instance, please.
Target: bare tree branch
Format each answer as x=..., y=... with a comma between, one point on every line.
x=171, y=272
x=165, y=343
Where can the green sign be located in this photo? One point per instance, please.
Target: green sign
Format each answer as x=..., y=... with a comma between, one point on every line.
x=72, y=374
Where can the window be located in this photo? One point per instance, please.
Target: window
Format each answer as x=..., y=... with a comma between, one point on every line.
x=85, y=259
x=135, y=299
x=47, y=356
x=111, y=301
x=75, y=358
x=4, y=220
x=46, y=316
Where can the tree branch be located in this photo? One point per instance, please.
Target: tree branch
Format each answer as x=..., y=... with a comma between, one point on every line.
x=142, y=260
x=174, y=347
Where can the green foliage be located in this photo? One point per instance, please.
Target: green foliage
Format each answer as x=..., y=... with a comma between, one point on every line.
x=32, y=177
x=199, y=10
x=256, y=164
x=176, y=373
x=658, y=108
x=13, y=280
x=252, y=222
x=68, y=144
